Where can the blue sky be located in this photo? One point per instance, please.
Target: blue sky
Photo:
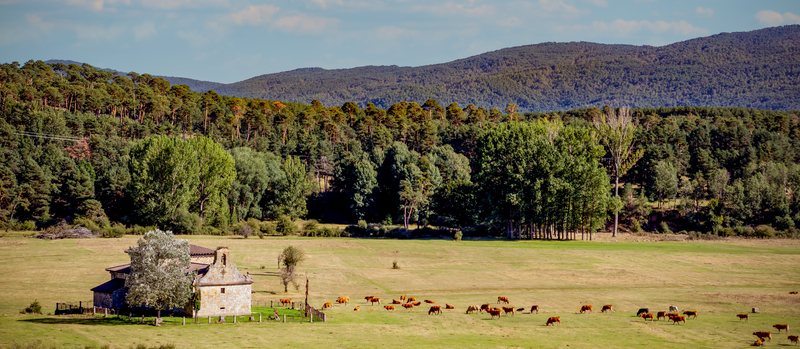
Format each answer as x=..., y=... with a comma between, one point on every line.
x=232, y=40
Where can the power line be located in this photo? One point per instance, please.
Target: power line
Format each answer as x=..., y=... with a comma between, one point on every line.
x=47, y=136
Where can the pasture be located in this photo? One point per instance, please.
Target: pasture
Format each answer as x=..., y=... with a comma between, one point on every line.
x=718, y=279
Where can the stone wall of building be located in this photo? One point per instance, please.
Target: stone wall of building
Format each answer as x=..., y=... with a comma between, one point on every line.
x=203, y=259
x=234, y=300
x=103, y=300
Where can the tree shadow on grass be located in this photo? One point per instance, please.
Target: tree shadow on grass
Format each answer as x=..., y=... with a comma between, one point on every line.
x=93, y=321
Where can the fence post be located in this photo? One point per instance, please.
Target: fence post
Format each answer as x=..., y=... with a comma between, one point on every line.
x=324, y=317
x=292, y=305
x=105, y=312
x=284, y=318
x=311, y=318
x=209, y=319
x=93, y=311
x=142, y=318
x=234, y=318
x=130, y=314
x=270, y=304
x=259, y=317
x=184, y=321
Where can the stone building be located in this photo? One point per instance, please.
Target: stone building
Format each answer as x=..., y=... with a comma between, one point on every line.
x=224, y=290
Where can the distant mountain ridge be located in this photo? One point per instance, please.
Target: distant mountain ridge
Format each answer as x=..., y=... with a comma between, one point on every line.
x=756, y=69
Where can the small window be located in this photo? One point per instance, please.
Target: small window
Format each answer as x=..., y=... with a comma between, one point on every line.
x=223, y=290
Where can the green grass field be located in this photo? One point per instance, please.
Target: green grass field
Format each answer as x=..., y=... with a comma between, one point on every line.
x=719, y=279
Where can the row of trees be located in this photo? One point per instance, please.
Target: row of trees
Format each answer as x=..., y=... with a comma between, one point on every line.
x=234, y=159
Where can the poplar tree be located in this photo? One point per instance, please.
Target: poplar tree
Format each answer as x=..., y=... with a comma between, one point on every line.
x=617, y=131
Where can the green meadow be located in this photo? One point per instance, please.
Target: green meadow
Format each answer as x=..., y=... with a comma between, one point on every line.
x=718, y=279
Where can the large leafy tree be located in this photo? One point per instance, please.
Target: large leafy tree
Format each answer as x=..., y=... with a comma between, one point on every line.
x=356, y=179
x=257, y=174
x=215, y=173
x=291, y=198
x=164, y=177
x=158, y=276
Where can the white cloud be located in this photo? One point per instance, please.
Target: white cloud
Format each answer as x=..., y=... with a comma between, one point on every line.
x=305, y=24
x=174, y=4
x=454, y=9
x=704, y=12
x=95, y=32
x=560, y=6
x=195, y=38
x=772, y=18
x=144, y=30
x=601, y=3
x=623, y=28
x=38, y=23
x=252, y=15
x=324, y=3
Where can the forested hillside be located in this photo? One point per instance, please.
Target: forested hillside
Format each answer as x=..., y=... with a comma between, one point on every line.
x=758, y=69
x=91, y=147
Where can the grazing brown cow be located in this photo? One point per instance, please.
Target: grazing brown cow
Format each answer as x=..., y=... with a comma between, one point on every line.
x=743, y=317
x=553, y=320
x=409, y=306
x=646, y=316
x=691, y=313
x=793, y=339
x=285, y=301
x=793, y=292
x=535, y=308
x=369, y=298
x=327, y=305
x=357, y=308
x=678, y=318
x=403, y=297
x=607, y=307
x=484, y=307
x=375, y=300
x=343, y=300
x=661, y=314
x=520, y=309
x=763, y=334
x=448, y=306
x=411, y=299
x=758, y=343
x=416, y=304
x=473, y=308
x=585, y=308
x=502, y=299
x=780, y=327
x=508, y=310
x=429, y=301
x=394, y=301
x=494, y=312
x=436, y=309
x=672, y=315
x=389, y=307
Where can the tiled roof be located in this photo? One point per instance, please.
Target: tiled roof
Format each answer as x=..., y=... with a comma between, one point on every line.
x=200, y=268
x=110, y=286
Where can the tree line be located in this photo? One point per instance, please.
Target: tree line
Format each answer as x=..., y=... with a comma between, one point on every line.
x=84, y=144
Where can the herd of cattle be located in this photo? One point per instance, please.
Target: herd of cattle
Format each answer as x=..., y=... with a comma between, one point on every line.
x=410, y=302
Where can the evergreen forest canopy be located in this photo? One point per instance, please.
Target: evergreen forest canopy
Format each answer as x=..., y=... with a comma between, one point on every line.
x=94, y=147
x=758, y=69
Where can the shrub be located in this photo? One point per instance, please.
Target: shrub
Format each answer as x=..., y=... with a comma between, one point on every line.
x=664, y=228
x=140, y=230
x=310, y=228
x=211, y=230
x=395, y=265
x=764, y=231
x=116, y=230
x=458, y=235
x=34, y=308
x=362, y=224
x=245, y=230
x=285, y=225
x=186, y=223
x=27, y=225
x=727, y=231
x=637, y=226
x=260, y=234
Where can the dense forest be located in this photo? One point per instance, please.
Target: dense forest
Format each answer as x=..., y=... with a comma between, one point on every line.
x=758, y=69
x=114, y=152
